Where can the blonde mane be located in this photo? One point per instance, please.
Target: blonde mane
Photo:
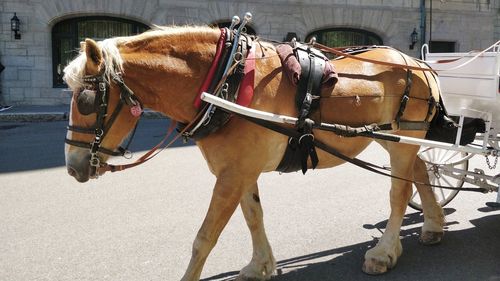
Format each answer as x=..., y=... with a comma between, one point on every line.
x=113, y=64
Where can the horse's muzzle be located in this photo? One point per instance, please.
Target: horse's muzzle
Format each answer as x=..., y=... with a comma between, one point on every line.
x=78, y=166
x=78, y=176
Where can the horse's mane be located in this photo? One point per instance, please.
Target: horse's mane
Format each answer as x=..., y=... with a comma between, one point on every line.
x=113, y=62
x=161, y=31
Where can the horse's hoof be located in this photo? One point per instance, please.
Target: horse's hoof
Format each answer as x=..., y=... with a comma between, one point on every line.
x=430, y=237
x=374, y=267
x=258, y=271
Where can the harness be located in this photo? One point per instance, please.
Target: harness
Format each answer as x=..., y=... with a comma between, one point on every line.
x=94, y=99
x=95, y=96
x=231, y=77
x=312, y=64
x=301, y=146
x=225, y=79
x=235, y=69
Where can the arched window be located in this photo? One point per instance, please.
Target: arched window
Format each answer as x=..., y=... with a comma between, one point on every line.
x=67, y=35
x=341, y=37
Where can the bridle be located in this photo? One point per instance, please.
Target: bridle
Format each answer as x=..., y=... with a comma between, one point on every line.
x=96, y=101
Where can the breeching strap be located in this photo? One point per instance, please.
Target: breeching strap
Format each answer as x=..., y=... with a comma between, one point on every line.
x=358, y=162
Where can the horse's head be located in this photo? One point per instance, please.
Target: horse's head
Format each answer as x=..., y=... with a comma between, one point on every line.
x=103, y=109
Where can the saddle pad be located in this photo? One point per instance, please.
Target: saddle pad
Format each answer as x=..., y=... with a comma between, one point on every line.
x=292, y=69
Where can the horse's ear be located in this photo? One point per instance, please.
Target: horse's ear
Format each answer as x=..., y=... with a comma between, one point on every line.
x=94, y=55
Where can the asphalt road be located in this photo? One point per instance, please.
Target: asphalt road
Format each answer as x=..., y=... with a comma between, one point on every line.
x=139, y=224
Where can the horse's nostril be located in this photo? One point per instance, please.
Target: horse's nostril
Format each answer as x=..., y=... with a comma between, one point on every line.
x=80, y=177
x=71, y=172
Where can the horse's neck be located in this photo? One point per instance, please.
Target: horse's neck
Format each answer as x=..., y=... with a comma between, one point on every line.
x=166, y=73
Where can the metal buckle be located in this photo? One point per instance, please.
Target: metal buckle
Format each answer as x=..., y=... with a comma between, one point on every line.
x=224, y=91
x=98, y=134
x=95, y=161
x=102, y=86
x=238, y=57
x=306, y=135
x=127, y=154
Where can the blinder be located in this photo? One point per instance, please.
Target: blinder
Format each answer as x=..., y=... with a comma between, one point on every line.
x=87, y=102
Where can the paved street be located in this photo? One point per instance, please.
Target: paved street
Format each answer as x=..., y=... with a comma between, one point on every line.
x=139, y=224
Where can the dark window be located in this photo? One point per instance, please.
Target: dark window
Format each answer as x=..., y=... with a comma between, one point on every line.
x=441, y=47
x=343, y=37
x=67, y=35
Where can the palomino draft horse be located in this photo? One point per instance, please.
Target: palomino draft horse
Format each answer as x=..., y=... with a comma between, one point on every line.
x=165, y=68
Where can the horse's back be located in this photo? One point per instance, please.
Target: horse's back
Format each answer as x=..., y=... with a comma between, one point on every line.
x=368, y=92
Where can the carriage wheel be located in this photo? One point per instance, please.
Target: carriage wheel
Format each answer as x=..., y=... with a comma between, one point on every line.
x=439, y=163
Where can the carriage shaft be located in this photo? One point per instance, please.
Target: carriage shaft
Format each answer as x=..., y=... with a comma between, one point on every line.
x=283, y=119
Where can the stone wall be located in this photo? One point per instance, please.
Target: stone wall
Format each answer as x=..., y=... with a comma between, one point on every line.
x=27, y=79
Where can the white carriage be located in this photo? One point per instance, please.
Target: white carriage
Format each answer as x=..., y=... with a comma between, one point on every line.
x=470, y=88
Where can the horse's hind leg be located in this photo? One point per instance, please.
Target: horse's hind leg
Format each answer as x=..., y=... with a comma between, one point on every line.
x=387, y=251
x=262, y=264
x=225, y=198
x=432, y=230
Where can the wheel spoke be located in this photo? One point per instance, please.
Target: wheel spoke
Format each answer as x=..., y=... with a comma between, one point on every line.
x=435, y=160
x=441, y=153
x=414, y=195
x=448, y=183
x=442, y=193
x=455, y=153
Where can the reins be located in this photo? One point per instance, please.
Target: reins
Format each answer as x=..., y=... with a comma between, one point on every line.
x=496, y=44
x=147, y=156
x=337, y=52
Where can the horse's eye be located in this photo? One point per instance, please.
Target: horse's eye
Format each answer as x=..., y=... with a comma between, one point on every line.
x=86, y=102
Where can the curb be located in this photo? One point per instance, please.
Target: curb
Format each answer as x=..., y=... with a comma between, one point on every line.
x=57, y=116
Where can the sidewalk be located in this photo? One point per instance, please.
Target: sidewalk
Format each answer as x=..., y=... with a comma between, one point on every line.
x=39, y=113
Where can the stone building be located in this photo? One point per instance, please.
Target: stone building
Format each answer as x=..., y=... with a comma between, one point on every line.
x=51, y=29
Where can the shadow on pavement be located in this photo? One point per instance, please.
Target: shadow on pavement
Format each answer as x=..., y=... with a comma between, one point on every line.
x=468, y=254
x=40, y=145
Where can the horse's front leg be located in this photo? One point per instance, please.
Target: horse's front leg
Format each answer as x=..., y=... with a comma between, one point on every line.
x=263, y=264
x=387, y=251
x=225, y=198
x=432, y=230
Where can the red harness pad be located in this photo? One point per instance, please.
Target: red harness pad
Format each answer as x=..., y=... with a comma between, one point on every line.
x=245, y=93
x=213, y=67
x=246, y=89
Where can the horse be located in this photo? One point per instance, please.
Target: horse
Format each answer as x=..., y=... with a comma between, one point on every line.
x=165, y=68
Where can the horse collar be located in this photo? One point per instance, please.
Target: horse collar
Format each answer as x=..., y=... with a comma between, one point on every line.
x=231, y=76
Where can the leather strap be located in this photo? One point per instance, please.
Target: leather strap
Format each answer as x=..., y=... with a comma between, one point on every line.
x=406, y=96
x=147, y=156
x=358, y=162
x=413, y=125
x=213, y=68
x=347, y=55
